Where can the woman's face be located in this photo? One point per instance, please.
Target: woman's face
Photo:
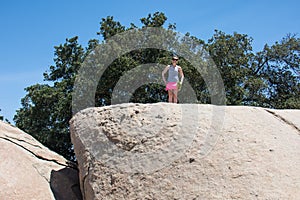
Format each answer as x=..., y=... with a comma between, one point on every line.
x=174, y=61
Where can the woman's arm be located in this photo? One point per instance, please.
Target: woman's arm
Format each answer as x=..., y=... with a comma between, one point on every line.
x=163, y=74
x=181, y=75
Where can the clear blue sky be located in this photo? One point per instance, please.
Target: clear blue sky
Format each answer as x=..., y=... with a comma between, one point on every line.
x=30, y=29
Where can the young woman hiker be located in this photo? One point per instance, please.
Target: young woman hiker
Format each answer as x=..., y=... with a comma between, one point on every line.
x=173, y=83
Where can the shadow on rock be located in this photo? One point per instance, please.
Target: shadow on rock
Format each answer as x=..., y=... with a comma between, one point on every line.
x=64, y=184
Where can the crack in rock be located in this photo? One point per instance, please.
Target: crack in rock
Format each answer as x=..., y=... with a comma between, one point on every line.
x=68, y=164
x=284, y=120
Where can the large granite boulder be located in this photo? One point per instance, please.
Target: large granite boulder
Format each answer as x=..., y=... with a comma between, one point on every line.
x=173, y=151
x=28, y=170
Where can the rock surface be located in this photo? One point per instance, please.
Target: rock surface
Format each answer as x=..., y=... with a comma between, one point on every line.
x=28, y=170
x=235, y=152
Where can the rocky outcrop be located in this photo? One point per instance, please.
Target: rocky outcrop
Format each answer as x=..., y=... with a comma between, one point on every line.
x=172, y=151
x=28, y=170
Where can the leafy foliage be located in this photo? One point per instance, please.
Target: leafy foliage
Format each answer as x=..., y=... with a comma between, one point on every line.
x=1, y=117
x=269, y=78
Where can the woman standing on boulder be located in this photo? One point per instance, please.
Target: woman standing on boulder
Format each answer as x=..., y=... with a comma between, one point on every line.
x=173, y=83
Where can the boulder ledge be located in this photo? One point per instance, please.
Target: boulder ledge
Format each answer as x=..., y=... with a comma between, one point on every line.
x=29, y=170
x=127, y=151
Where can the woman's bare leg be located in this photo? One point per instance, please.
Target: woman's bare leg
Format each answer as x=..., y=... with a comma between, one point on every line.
x=175, y=92
x=170, y=94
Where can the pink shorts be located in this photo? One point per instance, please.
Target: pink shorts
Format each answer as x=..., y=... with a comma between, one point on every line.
x=171, y=86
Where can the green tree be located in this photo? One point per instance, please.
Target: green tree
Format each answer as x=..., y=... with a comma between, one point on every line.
x=232, y=55
x=46, y=109
x=1, y=117
x=279, y=68
x=149, y=93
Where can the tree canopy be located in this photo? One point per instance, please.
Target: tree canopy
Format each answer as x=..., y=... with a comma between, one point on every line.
x=268, y=78
x=1, y=117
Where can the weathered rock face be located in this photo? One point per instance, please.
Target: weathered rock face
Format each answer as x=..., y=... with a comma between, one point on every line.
x=28, y=170
x=172, y=151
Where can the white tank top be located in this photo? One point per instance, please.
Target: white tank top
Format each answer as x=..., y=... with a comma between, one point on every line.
x=173, y=74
